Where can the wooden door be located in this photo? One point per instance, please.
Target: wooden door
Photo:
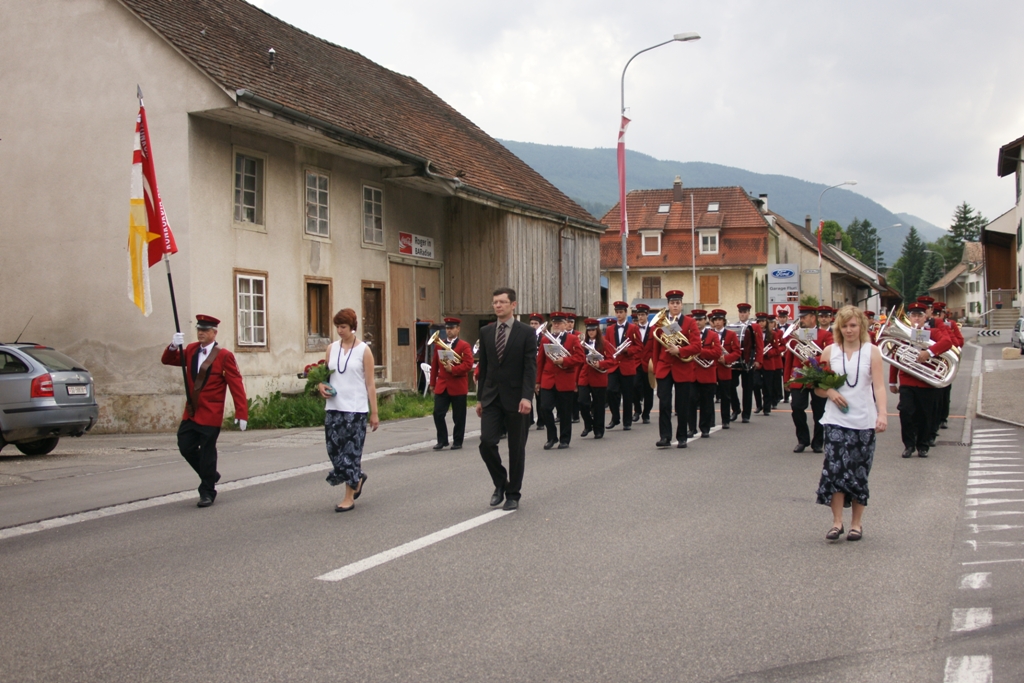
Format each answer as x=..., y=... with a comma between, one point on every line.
x=402, y=325
x=428, y=294
x=372, y=326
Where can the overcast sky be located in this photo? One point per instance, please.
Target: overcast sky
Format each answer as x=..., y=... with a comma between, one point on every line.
x=911, y=98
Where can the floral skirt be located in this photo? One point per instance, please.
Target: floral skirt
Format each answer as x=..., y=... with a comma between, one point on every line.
x=345, y=433
x=848, y=457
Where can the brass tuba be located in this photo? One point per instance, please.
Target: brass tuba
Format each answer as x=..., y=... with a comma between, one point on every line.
x=445, y=346
x=804, y=350
x=667, y=333
x=895, y=343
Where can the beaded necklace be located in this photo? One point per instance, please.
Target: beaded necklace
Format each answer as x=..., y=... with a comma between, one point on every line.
x=857, y=378
x=337, y=360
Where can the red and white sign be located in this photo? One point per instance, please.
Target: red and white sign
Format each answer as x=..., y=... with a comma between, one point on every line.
x=415, y=245
x=789, y=308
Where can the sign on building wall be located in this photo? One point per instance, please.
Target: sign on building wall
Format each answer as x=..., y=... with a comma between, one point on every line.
x=415, y=245
x=784, y=288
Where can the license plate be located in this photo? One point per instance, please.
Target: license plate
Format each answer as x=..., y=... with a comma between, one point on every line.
x=78, y=390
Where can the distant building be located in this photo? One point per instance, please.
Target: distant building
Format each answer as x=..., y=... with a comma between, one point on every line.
x=1010, y=162
x=962, y=288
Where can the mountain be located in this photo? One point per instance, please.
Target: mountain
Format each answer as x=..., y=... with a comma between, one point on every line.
x=589, y=176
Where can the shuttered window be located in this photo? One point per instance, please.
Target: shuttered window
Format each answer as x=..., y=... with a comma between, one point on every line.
x=652, y=287
x=709, y=289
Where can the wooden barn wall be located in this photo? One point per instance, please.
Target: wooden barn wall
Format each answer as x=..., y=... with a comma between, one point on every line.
x=475, y=260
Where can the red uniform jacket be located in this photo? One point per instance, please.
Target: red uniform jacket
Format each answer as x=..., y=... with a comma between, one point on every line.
x=711, y=349
x=647, y=357
x=588, y=376
x=943, y=342
x=629, y=360
x=773, y=350
x=752, y=346
x=223, y=375
x=549, y=375
x=731, y=346
x=456, y=380
x=955, y=335
x=823, y=340
x=666, y=364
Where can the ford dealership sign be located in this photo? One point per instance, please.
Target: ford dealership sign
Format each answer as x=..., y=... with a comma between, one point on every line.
x=783, y=274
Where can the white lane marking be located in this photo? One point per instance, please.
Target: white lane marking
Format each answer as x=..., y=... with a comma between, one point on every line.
x=976, y=581
x=110, y=511
x=988, y=430
x=965, y=564
x=986, y=482
x=970, y=669
x=982, y=492
x=975, y=514
x=992, y=473
x=716, y=428
x=410, y=547
x=971, y=502
x=971, y=618
x=979, y=458
x=984, y=528
x=986, y=465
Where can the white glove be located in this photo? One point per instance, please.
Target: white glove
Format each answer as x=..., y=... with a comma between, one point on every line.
x=178, y=340
x=241, y=424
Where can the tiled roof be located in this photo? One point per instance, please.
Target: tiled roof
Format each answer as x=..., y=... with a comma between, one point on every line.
x=1009, y=157
x=229, y=40
x=743, y=236
x=974, y=252
x=947, y=279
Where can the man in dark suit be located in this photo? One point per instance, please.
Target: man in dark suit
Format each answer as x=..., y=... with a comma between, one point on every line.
x=508, y=373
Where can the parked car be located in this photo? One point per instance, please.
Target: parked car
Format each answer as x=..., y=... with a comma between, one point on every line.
x=44, y=395
x=1018, y=332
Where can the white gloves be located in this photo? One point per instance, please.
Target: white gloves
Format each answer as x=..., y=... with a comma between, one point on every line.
x=241, y=424
x=178, y=340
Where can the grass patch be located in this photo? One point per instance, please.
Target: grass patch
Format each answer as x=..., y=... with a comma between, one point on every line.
x=286, y=411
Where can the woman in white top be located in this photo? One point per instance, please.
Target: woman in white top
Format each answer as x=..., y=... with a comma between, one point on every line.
x=351, y=393
x=853, y=414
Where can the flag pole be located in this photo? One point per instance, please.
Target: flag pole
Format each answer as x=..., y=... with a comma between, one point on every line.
x=177, y=328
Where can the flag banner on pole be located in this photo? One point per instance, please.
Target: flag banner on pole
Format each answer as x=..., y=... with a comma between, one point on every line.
x=623, y=222
x=821, y=226
x=149, y=233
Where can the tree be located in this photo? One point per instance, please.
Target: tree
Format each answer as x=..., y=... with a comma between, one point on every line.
x=931, y=273
x=828, y=236
x=911, y=263
x=863, y=238
x=966, y=227
x=809, y=300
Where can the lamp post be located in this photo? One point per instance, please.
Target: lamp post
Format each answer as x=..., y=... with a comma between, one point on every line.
x=929, y=251
x=821, y=273
x=681, y=38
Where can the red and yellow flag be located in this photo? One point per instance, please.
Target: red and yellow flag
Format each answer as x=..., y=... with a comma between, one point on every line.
x=149, y=233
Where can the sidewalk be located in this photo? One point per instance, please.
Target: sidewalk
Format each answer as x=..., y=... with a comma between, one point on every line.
x=1002, y=383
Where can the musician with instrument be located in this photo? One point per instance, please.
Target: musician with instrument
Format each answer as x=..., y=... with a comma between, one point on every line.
x=449, y=381
x=800, y=347
x=570, y=328
x=558, y=359
x=622, y=381
x=706, y=375
x=781, y=390
x=940, y=318
x=919, y=399
x=873, y=326
x=593, y=378
x=678, y=338
x=643, y=389
x=536, y=322
x=724, y=365
x=825, y=314
x=772, y=362
x=751, y=361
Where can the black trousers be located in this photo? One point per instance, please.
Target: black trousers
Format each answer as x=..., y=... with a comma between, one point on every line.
x=442, y=402
x=770, y=381
x=493, y=421
x=550, y=399
x=751, y=389
x=592, y=404
x=919, y=407
x=944, y=399
x=643, y=396
x=704, y=403
x=727, y=398
x=683, y=397
x=198, y=445
x=620, y=387
x=779, y=392
x=800, y=398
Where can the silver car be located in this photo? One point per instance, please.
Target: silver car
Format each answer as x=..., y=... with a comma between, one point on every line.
x=1017, y=336
x=44, y=395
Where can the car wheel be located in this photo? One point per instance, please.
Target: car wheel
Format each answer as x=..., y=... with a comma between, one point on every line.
x=41, y=447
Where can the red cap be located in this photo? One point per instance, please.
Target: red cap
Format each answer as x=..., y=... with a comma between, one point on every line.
x=718, y=313
x=770, y=316
x=925, y=300
x=807, y=310
x=826, y=309
x=536, y=316
x=592, y=322
x=939, y=305
x=870, y=314
x=918, y=306
x=674, y=294
x=743, y=307
x=699, y=313
x=452, y=322
x=642, y=308
x=557, y=315
x=620, y=305
x=761, y=315
x=206, y=322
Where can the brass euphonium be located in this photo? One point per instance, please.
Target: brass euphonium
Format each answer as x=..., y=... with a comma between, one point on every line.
x=895, y=341
x=445, y=346
x=804, y=350
x=666, y=333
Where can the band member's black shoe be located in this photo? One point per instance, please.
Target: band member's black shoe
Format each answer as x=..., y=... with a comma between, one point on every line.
x=745, y=420
x=575, y=420
x=586, y=433
x=767, y=411
x=540, y=426
x=922, y=452
x=510, y=504
x=800, y=448
x=562, y=446
x=908, y=452
x=497, y=496
x=439, y=446
x=817, y=449
x=205, y=500
x=943, y=425
x=705, y=435
x=612, y=425
x=549, y=445
x=664, y=443
x=734, y=417
x=725, y=425
x=690, y=434
x=681, y=444
x=456, y=446
x=636, y=417
x=930, y=444
x=599, y=436
x=647, y=420
x=627, y=428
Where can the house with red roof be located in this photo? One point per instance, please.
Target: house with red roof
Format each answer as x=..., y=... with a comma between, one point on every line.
x=299, y=178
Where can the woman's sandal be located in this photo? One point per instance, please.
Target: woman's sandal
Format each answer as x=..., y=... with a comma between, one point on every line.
x=835, y=532
x=359, y=489
x=338, y=508
x=855, y=535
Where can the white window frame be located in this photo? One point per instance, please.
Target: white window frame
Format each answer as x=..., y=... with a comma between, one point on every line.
x=259, y=222
x=365, y=215
x=708, y=233
x=323, y=223
x=643, y=242
x=250, y=310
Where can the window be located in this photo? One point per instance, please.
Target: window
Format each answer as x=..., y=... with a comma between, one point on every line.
x=709, y=289
x=318, y=314
x=251, y=309
x=651, y=244
x=9, y=365
x=663, y=208
x=709, y=242
x=317, y=206
x=248, y=189
x=652, y=287
x=373, y=215
x=712, y=207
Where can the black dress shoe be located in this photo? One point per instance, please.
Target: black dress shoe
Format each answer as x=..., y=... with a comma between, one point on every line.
x=725, y=425
x=510, y=504
x=497, y=496
x=627, y=428
x=734, y=417
x=205, y=501
x=439, y=446
x=681, y=444
x=767, y=412
x=800, y=448
x=745, y=420
x=636, y=417
x=930, y=444
x=562, y=446
x=549, y=445
x=817, y=449
x=599, y=436
x=540, y=426
x=907, y=452
x=611, y=425
x=943, y=425
x=705, y=435
x=690, y=435
x=663, y=443
x=456, y=446
x=647, y=420
x=586, y=433
x=922, y=452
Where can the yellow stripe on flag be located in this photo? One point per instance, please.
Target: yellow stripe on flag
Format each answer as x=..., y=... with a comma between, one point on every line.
x=138, y=260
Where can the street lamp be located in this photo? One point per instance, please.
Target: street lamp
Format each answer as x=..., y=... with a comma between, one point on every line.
x=821, y=274
x=681, y=38
x=929, y=251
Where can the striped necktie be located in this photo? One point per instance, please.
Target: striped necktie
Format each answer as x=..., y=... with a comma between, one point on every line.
x=499, y=342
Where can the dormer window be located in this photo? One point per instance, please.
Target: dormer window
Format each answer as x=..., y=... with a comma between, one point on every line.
x=712, y=207
x=663, y=208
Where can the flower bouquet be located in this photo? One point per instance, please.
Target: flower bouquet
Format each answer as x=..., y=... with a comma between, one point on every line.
x=815, y=374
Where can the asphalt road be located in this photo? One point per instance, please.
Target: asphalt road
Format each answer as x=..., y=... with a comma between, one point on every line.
x=624, y=563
